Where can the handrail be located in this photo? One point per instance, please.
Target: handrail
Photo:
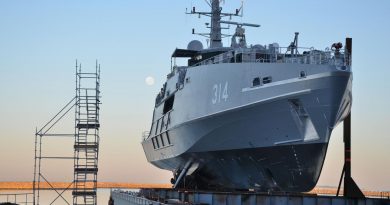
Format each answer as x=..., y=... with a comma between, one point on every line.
x=145, y=135
x=17, y=198
x=280, y=55
x=133, y=197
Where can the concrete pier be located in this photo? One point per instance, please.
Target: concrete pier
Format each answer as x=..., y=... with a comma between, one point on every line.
x=169, y=196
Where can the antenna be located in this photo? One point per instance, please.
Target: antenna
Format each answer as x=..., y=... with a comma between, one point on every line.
x=207, y=2
x=216, y=15
x=240, y=24
x=241, y=9
x=240, y=33
x=293, y=47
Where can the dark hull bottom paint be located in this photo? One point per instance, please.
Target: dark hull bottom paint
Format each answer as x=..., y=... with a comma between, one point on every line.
x=294, y=168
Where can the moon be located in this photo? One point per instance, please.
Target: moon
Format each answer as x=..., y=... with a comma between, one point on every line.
x=149, y=80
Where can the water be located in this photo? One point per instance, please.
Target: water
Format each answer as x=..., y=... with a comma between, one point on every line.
x=47, y=196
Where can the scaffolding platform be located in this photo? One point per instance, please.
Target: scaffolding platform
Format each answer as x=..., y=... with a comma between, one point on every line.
x=88, y=126
x=86, y=146
x=84, y=193
x=86, y=170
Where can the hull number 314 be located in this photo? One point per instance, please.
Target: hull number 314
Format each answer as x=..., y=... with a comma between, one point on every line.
x=220, y=93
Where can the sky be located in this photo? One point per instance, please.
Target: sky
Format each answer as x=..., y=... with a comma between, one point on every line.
x=132, y=40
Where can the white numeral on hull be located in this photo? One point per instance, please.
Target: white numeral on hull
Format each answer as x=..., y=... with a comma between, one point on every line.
x=220, y=93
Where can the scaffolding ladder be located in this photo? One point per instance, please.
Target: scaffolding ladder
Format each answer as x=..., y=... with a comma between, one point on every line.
x=86, y=144
x=85, y=137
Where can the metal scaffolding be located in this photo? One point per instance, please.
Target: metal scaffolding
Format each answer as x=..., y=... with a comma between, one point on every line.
x=86, y=143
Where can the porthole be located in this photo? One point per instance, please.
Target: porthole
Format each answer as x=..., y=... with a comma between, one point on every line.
x=267, y=80
x=302, y=74
x=256, y=82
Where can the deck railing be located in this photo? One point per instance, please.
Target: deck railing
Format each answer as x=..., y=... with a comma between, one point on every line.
x=280, y=55
x=132, y=198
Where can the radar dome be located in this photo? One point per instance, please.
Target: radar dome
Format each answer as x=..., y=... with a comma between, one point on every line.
x=195, y=45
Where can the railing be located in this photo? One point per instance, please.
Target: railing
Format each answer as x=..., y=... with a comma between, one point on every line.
x=161, y=196
x=133, y=198
x=384, y=195
x=17, y=198
x=145, y=135
x=280, y=55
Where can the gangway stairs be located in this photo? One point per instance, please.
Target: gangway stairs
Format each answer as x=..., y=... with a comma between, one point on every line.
x=86, y=145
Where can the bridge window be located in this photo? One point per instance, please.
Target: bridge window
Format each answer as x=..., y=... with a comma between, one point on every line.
x=168, y=104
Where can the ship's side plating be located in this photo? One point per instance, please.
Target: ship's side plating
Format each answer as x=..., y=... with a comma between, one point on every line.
x=239, y=135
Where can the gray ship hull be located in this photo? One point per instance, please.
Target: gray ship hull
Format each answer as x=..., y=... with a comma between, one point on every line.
x=292, y=168
x=271, y=142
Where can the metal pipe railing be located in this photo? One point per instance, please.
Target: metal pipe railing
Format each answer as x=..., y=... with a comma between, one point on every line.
x=17, y=198
x=280, y=55
x=133, y=198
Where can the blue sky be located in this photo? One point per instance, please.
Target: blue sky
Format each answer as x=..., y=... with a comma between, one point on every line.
x=40, y=40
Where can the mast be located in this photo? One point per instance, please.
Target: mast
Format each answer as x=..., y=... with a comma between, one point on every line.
x=215, y=35
x=215, y=29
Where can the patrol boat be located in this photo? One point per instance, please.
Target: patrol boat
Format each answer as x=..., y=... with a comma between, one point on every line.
x=248, y=117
